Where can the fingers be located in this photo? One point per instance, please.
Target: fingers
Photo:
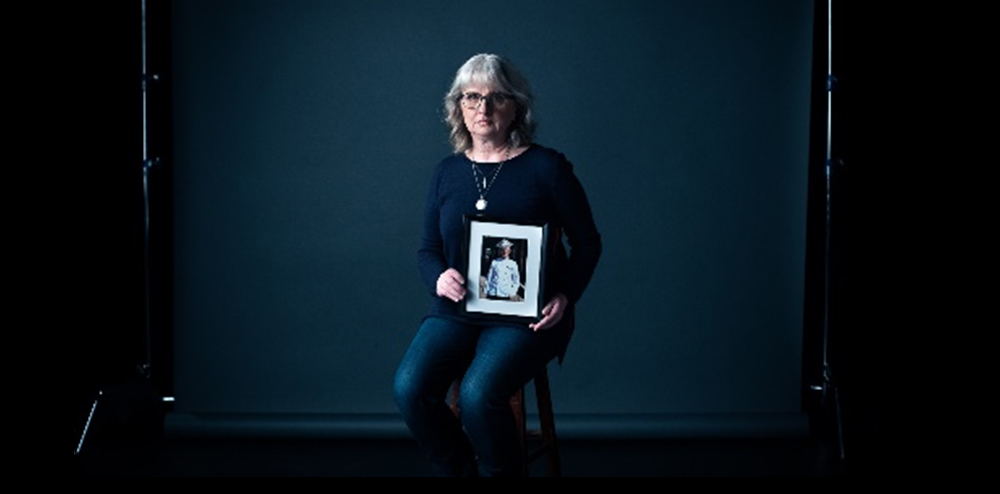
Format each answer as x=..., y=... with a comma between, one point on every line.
x=552, y=314
x=451, y=285
x=542, y=323
x=455, y=275
x=546, y=323
x=554, y=307
x=451, y=290
x=454, y=294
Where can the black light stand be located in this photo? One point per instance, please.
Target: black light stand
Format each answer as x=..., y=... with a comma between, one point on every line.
x=827, y=387
x=147, y=165
x=141, y=393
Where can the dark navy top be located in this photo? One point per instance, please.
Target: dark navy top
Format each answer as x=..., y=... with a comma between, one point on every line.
x=537, y=186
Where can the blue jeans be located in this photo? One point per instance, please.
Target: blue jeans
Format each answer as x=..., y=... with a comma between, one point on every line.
x=496, y=360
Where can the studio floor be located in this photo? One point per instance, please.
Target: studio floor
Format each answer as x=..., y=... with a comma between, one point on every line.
x=132, y=441
x=284, y=457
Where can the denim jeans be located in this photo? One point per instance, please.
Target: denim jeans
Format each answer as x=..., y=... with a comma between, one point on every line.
x=496, y=361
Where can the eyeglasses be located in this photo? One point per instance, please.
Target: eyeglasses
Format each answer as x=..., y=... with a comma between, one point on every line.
x=471, y=101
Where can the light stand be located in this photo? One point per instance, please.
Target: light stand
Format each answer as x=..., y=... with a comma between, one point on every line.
x=147, y=165
x=830, y=396
x=144, y=368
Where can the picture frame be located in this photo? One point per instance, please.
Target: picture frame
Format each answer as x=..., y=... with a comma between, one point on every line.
x=504, y=265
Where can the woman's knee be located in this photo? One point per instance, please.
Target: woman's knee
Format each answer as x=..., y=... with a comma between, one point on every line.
x=476, y=398
x=405, y=390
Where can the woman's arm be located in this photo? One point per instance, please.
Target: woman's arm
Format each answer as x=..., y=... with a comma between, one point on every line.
x=573, y=211
x=430, y=255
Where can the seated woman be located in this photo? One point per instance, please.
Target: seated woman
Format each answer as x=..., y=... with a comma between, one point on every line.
x=498, y=170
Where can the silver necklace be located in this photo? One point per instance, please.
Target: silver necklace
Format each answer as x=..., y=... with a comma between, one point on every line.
x=484, y=189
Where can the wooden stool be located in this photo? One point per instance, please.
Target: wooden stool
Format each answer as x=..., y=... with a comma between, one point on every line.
x=535, y=444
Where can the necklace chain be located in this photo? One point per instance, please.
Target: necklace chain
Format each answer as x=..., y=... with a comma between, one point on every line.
x=485, y=188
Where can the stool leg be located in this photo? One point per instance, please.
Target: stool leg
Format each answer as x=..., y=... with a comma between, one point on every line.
x=519, y=407
x=547, y=422
x=453, y=397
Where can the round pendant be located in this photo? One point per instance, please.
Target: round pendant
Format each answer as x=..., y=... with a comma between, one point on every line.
x=481, y=204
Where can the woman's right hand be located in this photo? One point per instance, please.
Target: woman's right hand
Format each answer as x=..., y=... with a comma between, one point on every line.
x=451, y=285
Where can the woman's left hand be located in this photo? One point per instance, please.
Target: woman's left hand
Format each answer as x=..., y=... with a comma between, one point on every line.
x=552, y=313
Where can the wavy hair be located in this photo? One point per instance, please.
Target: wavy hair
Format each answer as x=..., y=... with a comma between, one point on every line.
x=496, y=72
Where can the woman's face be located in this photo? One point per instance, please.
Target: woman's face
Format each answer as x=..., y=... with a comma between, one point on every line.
x=506, y=252
x=488, y=119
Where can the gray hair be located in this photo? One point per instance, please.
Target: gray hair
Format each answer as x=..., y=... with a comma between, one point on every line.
x=497, y=72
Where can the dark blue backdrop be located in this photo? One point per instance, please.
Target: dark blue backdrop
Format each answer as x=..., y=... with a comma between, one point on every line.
x=304, y=135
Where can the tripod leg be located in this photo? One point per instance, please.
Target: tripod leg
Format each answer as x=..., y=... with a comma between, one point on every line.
x=86, y=427
x=840, y=427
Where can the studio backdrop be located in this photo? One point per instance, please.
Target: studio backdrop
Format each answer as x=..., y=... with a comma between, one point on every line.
x=305, y=133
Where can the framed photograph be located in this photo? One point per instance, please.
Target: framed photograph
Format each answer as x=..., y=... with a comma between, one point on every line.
x=504, y=269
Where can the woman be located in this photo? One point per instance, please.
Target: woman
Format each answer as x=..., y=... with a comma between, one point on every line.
x=504, y=277
x=497, y=169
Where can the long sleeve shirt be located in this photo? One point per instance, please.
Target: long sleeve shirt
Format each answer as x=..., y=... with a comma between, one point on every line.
x=539, y=185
